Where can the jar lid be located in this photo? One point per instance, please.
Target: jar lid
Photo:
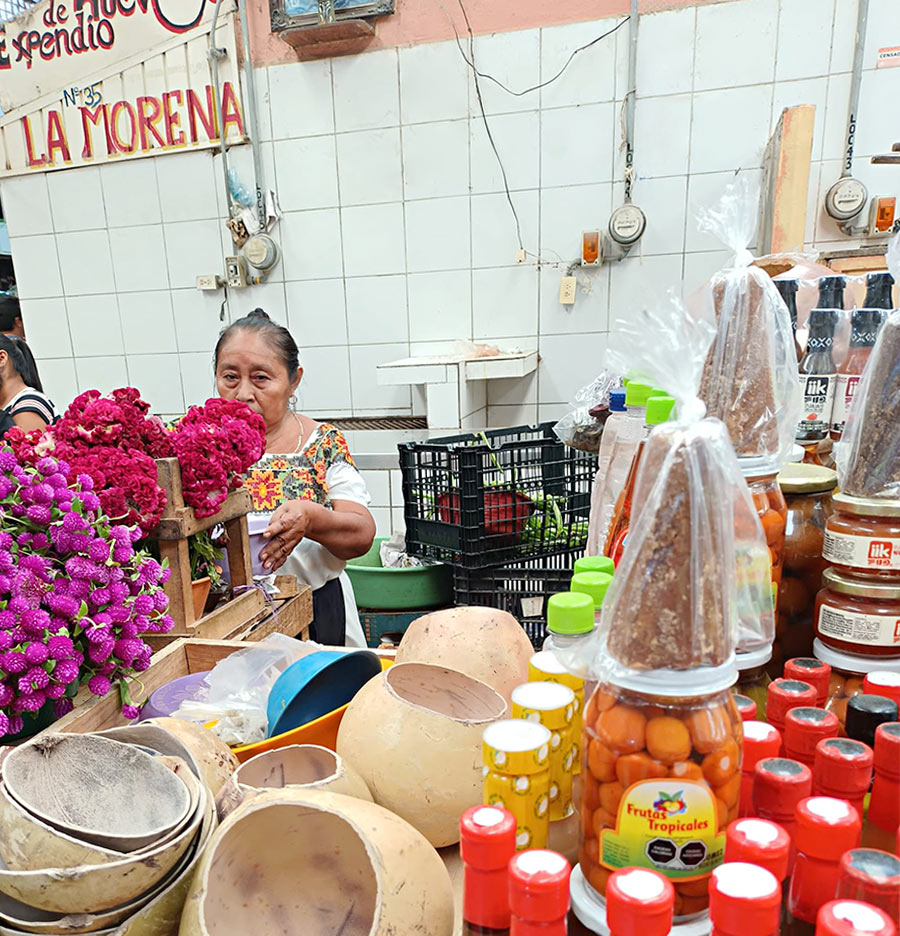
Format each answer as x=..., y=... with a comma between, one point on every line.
x=865, y=713
x=856, y=663
x=759, y=842
x=869, y=874
x=638, y=898
x=809, y=669
x=592, y=584
x=867, y=506
x=744, y=898
x=746, y=706
x=779, y=783
x=807, y=479
x=637, y=394
x=570, y=613
x=804, y=728
x=826, y=827
x=550, y=703
x=680, y=684
x=761, y=741
x=860, y=588
x=753, y=658
x=516, y=746
x=887, y=747
x=883, y=683
x=784, y=694
x=844, y=765
x=798, y=453
x=759, y=466
x=853, y=918
x=539, y=886
x=595, y=564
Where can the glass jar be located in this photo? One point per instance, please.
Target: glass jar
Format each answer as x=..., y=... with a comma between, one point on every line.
x=753, y=679
x=857, y=615
x=661, y=779
x=847, y=673
x=862, y=537
x=761, y=476
x=808, y=493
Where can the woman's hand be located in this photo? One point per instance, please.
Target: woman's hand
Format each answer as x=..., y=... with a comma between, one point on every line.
x=290, y=523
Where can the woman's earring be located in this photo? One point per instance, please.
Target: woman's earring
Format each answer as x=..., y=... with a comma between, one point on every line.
x=292, y=402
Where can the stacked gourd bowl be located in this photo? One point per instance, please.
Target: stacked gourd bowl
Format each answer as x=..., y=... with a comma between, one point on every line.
x=101, y=832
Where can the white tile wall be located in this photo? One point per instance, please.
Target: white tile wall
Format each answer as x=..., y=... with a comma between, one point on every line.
x=397, y=237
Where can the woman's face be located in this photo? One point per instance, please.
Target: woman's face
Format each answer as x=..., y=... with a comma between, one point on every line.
x=250, y=370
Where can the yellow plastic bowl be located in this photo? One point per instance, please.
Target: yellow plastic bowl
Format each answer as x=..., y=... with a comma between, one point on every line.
x=323, y=731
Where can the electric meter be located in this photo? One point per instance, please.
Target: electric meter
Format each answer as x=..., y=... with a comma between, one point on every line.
x=626, y=225
x=846, y=198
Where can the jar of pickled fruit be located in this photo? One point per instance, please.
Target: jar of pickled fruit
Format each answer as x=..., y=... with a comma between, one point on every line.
x=761, y=475
x=753, y=680
x=862, y=537
x=848, y=670
x=661, y=780
x=808, y=493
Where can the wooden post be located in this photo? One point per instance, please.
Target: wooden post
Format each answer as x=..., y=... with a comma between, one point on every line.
x=785, y=182
x=238, y=550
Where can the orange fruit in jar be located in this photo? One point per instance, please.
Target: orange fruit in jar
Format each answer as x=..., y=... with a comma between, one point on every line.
x=691, y=905
x=773, y=526
x=597, y=878
x=709, y=728
x=610, y=795
x=686, y=770
x=591, y=850
x=633, y=767
x=622, y=729
x=602, y=820
x=601, y=762
x=697, y=888
x=729, y=791
x=720, y=765
x=599, y=702
x=733, y=812
x=676, y=907
x=590, y=791
x=668, y=739
x=721, y=814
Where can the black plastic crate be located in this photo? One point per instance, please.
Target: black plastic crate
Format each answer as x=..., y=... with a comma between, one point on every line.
x=491, y=498
x=522, y=589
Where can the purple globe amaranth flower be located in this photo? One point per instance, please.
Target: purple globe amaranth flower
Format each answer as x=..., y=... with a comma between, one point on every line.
x=144, y=605
x=119, y=613
x=37, y=653
x=59, y=647
x=57, y=481
x=34, y=620
x=6, y=640
x=62, y=707
x=7, y=618
x=4, y=725
x=46, y=465
x=128, y=629
x=128, y=649
x=99, y=685
x=18, y=634
x=40, y=514
x=34, y=679
x=62, y=540
x=108, y=668
x=99, y=550
x=42, y=494
x=6, y=487
x=16, y=724
x=73, y=523
x=13, y=662
x=80, y=589
x=63, y=605
x=55, y=691
x=6, y=540
x=85, y=482
x=66, y=671
x=5, y=582
x=40, y=541
x=122, y=554
x=8, y=461
x=33, y=702
x=18, y=604
x=100, y=652
x=100, y=596
x=91, y=502
x=98, y=634
x=160, y=601
x=6, y=694
x=118, y=592
x=39, y=565
x=131, y=712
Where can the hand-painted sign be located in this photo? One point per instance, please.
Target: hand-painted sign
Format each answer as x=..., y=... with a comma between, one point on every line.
x=164, y=102
x=57, y=43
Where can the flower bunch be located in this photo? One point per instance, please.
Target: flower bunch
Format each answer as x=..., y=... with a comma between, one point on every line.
x=75, y=596
x=215, y=444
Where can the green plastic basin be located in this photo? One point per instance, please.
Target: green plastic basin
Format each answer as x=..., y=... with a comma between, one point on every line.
x=381, y=589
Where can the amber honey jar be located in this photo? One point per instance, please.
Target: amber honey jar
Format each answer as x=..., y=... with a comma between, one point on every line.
x=856, y=615
x=808, y=493
x=661, y=780
x=862, y=537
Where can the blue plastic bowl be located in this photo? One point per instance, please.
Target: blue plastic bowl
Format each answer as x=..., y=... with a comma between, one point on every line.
x=316, y=685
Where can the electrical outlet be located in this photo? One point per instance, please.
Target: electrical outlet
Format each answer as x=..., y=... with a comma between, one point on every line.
x=208, y=281
x=235, y=272
x=567, y=290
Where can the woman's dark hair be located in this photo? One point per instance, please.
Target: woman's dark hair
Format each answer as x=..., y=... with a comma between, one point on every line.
x=10, y=310
x=22, y=360
x=277, y=336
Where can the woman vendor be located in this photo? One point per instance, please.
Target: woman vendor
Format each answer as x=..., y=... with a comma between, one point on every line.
x=306, y=483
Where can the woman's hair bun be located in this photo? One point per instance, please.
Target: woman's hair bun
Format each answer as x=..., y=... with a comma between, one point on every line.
x=258, y=314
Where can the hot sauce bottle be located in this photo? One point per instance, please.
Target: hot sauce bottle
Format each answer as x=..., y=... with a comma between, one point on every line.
x=812, y=671
x=788, y=290
x=746, y=707
x=884, y=806
x=804, y=728
x=818, y=371
x=779, y=785
x=486, y=844
x=853, y=918
x=873, y=877
x=843, y=769
x=539, y=893
x=761, y=742
x=759, y=842
x=864, y=324
x=639, y=902
x=744, y=900
x=785, y=694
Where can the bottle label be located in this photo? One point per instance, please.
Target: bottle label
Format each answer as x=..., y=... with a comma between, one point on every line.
x=818, y=402
x=844, y=391
x=870, y=630
x=861, y=552
x=666, y=825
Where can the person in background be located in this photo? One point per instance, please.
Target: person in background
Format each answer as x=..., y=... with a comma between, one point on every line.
x=306, y=484
x=21, y=394
x=11, y=316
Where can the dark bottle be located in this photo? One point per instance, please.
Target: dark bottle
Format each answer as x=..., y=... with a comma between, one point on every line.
x=818, y=371
x=788, y=290
x=865, y=713
x=486, y=845
x=864, y=325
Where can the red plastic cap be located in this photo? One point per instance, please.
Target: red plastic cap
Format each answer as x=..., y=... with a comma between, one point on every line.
x=761, y=741
x=887, y=748
x=853, y=918
x=639, y=902
x=812, y=671
x=843, y=765
x=873, y=876
x=826, y=827
x=804, y=728
x=759, y=842
x=487, y=837
x=539, y=886
x=744, y=898
x=778, y=785
x=746, y=707
x=785, y=694
x=884, y=683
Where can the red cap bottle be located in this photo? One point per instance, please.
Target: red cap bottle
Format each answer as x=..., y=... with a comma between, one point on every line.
x=804, y=728
x=761, y=741
x=812, y=671
x=538, y=893
x=487, y=841
x=853, y=918
x=884, y=683
x=884, y=804
x=759, y=842
x=639, y=902
x=873, y=877
x=779, y=785
x=744, y=900
x=826, y=828
x=785, y=694
x=843, y=769
x=746, y=707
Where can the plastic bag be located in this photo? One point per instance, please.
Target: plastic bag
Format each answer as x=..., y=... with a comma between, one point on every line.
x=394, y=555
x=868, y=455
x=239, y=688
x=580, y=428
x=693, y=583
x=750, y=379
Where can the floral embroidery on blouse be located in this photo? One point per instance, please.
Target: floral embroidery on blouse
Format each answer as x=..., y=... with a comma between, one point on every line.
x=299, y=476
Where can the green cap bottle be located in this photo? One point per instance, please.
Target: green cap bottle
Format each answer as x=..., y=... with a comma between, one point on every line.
x=595, y=564
x=657, y=392
x=570, y=613
x=659, y=409
x=637, y=394
x=592, y=584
